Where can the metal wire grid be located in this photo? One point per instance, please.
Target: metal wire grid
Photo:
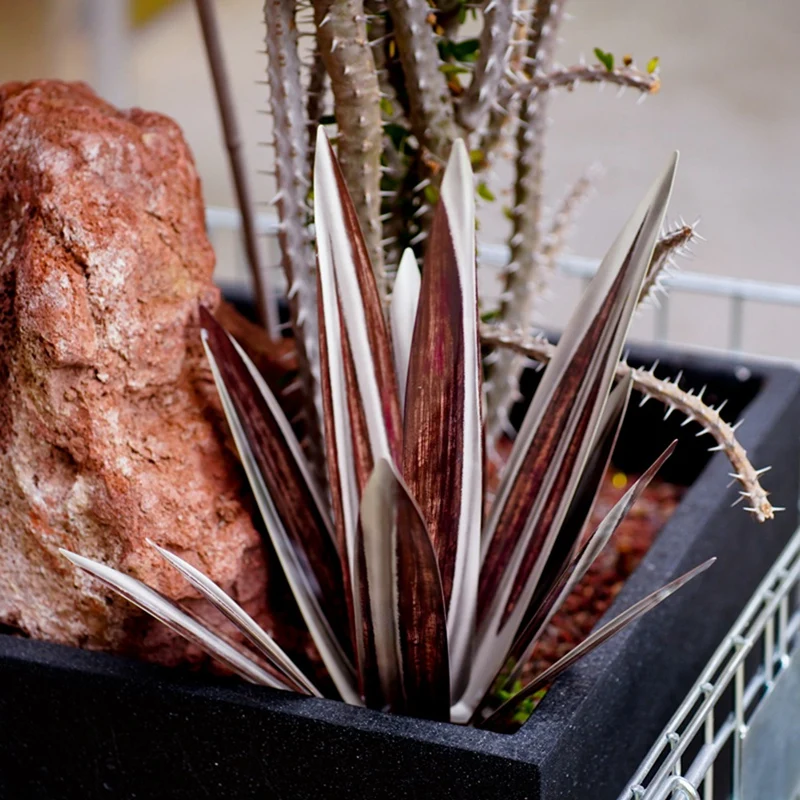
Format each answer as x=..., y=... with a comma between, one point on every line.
x=738, y=292
x=706, y=733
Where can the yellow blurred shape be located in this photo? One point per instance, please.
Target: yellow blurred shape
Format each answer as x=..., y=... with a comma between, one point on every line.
x=619, y=480
x=142, y=11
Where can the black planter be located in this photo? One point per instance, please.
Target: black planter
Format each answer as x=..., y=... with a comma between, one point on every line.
x=83, y=725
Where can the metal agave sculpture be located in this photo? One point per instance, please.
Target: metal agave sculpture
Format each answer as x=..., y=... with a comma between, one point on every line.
x=419, y=598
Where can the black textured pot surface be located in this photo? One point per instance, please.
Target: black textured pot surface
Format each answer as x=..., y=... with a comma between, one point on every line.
x=85, y=725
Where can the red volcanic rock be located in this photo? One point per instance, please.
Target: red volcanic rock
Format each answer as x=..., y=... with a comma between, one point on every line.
x=108, y=435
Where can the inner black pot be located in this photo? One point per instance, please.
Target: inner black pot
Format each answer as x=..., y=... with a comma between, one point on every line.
x=87, y=725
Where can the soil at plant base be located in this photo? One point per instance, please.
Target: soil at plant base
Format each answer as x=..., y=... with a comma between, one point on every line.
x=626, y=548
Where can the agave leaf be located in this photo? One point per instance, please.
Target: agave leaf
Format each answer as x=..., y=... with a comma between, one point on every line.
x=406, y=604
x=179, y=621
x=346, y=274
x=580, y=508
x=551, y=450
x=443, y=441
x=360, y=399
x=255, y=634
x=307, y=553
x=574, y=572
x=496, y=721
x=402, y=313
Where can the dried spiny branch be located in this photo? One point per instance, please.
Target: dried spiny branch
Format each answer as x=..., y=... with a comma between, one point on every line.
x=431, y=106
x=674, y=398
x=523, y=280
x=346, y=52
x=569, y=77
x=668, y=246
x=290, y=130
x=490, y=68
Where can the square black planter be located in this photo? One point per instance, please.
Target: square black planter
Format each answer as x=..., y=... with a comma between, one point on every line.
x=85, y=725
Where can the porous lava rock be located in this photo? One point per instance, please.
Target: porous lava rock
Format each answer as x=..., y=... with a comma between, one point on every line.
x=109, y=434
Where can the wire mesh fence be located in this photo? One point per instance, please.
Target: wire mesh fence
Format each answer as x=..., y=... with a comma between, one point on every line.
x=737, y=733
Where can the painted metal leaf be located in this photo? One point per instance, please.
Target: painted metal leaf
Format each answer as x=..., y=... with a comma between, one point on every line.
x=255, y=634
x=443, y=442
x=179, y=621
x=573, y=573
x=497, y=720
x=551, y=450
x=568, y=539
x=300, y=534
x=403, y=313
x=360, y=399
x=406, y=603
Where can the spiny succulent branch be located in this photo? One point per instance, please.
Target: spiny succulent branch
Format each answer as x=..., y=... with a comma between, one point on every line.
x=292, y=177
x=667, y=247
x=432, y=115
x=669, y=393
x=523, y=278
x=346, y=52
x=506, y=363
x=569, y=77
x=490, y=68
x=233, y=141
x=315, y=100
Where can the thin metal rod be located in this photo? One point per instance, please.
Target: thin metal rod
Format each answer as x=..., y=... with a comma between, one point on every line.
x=233, y=143
x=736, y=335
x=492, y=255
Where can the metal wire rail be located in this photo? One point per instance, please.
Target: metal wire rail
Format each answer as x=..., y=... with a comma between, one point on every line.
x=738, y=292
x=685, y=763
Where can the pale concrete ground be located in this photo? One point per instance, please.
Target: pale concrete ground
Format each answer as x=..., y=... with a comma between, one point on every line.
x=729, y=102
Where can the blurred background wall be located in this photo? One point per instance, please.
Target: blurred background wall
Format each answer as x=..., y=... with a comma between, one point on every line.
x=729, y=102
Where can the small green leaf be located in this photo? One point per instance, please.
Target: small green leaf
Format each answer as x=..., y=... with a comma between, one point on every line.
x=386, y=106
x=606, y=59
x=431, y=194
x=485, y=192
x=508, y=213
x=476, y=157
x=466, y=50
x=397, y=133
x=452, y=69
x=652, y=65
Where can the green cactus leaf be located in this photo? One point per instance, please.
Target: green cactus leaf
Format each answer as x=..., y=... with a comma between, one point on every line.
x=485, y=192
x=386, y=106
x=431, y=194
x=652, y=65
x=606, y=59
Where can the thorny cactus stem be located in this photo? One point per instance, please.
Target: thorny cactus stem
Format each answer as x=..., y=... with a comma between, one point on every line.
x=674, y=398
x=569, y=77
x=290, y=129
x=315, y=101
x=346, y=52
x=523, y=279
x=432, y=113
x=669, y=245
x=490, y=68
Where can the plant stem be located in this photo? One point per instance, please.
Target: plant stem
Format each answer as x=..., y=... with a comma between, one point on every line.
x=345, y=49
x=233, y=142
x=290, y=128
x=671, y=395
